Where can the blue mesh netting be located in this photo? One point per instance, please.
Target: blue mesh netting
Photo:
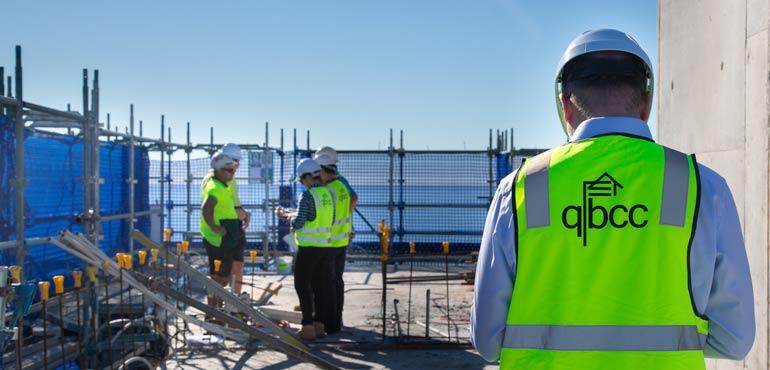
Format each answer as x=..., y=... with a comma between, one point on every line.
x=431, y=197
x=54, y=195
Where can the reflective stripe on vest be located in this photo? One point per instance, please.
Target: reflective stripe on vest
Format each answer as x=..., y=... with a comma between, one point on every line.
x=604, y=338
x=673, y=206
x=343, y=222
x=603, y=231
x=317, y=233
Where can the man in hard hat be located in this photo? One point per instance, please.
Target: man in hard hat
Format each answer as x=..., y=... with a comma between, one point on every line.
x=233, y=151
x=330, y=175
x=341, y=231
x=611, y=251
x=312, y=228
x=219, y=224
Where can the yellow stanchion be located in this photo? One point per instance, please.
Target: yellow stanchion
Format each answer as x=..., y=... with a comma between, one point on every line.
x=142, y=257
x=445, y=245
x=154, y=255
x=412, y=248
x=119, y=259
x=15, y=273
x=167, y=234
x=58, y=282
x=253, y=256
x=128, y=261
x=217, y=265
x=185, y=246
x=44, y=288
x=91, y=273
x=77, y=279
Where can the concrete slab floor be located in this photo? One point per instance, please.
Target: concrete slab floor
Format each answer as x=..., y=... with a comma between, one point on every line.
x=363, y=326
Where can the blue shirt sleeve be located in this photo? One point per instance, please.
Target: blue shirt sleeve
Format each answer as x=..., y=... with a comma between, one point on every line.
x=721, y=280
x=494, y=275
x=306, y=210
x=347, y=184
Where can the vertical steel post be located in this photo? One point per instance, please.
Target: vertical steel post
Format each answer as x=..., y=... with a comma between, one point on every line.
x=96, y=179
x=169, y=179
x=266, y=151
x=86, y=132
x=401, y=155
x=294, y=168
x=10, y=88
x=131, y=180
x=282, y=155
x=308, y=140
x=20, y=172
x=162, y=179
x=491, y=181
x=189, y=181
x=2, y=88
x=391, y=181
x=211, y=141
x=512, y=152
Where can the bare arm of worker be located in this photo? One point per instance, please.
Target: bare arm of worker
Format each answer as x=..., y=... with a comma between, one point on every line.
x=208, y=215
x=494, y=275
x=353, y=201
x=720, y=278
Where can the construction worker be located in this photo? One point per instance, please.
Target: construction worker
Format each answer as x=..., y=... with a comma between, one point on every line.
x=234, y=152
x=312, y=228
x=345, y=199
x=611, y=251
x=219, y=224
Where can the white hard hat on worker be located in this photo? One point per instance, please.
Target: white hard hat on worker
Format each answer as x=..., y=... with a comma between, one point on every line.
x=220, y=160
x=327, y=151
x=233, y=151
x=602, y=40
x=307, y=166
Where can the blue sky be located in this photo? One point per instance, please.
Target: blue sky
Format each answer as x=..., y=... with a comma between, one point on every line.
x=444, y=71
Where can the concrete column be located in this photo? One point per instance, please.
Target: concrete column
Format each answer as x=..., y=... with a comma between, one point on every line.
x=714, y=100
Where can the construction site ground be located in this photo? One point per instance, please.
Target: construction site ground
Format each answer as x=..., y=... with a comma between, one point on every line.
x=360, y=345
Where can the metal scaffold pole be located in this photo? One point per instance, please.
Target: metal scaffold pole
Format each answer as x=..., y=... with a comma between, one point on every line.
x=491, y=180
x=86, y=132
x=169, y=203
x=131, y=180
x=162, y=179
x=391, y=181
x=95, y=171
x=266, y=179
x=401, y=154
x=188, y=182
x=21, y=181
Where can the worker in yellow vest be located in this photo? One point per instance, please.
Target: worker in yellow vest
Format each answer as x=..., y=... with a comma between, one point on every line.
x=344, y=204
x=611, y=251
x=233, y=151
x=219, y=223
x=312, y=228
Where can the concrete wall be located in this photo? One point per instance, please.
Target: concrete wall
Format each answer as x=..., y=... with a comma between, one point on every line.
x=713, y=100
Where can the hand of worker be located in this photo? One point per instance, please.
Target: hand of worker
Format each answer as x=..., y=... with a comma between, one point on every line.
x=247, y=220
x=219, y=230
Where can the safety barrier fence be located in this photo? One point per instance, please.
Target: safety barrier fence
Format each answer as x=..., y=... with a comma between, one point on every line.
x=427, y=196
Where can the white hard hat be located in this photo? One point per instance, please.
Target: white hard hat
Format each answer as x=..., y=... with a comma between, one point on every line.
x=325, y=160
x=327, y=150
x=601, y=40
x=307, y=166
x=221, y=160
x=233, y=151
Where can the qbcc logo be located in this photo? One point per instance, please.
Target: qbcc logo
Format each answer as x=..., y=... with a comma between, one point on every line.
x=588, y=215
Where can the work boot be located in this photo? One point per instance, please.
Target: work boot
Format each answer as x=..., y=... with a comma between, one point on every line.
x=307, y=332
x=319, y=329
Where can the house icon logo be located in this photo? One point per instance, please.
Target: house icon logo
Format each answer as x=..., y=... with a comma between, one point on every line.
x=588, y=215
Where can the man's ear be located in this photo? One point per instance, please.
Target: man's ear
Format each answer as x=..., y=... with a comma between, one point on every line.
x=567, y=109
x=646, y=106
